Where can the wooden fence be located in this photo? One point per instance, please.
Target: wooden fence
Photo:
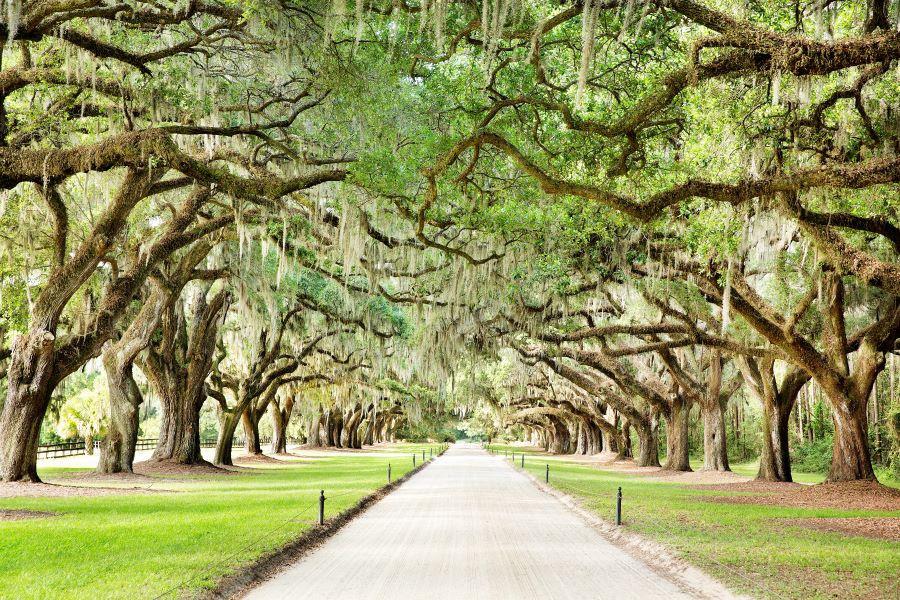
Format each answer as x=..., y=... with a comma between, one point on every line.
x=77, y=448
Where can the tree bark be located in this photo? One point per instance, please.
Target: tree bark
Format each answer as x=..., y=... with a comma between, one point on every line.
x=225, y=440
x=27, y=399
x=179, y=436
x=118, y=447
x=777, y=403
x=281, y=417
x=677, y=429
x=715, y=450
x=314, y=431
x=560, y=442
x=775, y=458
x=715, y=447
x=177, y=370
x=251, y=432
x=851, y=459
x=648, y=435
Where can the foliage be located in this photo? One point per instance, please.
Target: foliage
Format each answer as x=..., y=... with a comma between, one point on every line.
x=82, y=414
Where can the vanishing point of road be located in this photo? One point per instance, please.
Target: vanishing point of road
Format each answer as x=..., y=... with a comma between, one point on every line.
x=468, y=526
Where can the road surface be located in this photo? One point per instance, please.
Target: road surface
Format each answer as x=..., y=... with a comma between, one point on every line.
x=467, y=527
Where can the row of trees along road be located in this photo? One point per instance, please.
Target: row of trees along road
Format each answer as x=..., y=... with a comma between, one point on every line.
x=582, y=218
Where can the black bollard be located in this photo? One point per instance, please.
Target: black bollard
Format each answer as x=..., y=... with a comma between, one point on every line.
x=389, y=472
x=414, y=460
x=423, y=455
x=322, y=507
x=547, y=475
x=523, y=460
x=431, y=452
x=619, y=506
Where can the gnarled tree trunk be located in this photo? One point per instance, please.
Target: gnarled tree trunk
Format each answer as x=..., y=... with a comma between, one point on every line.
x=677, y=430
x=648, y=436
x=281, y=417
x=118, y=447
x=251, y=432
x=225, y=441
x=177, y=369
x=715, y=440
x=27, y=399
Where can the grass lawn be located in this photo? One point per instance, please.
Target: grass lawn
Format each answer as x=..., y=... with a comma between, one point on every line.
x=166, y=544
x=746, y=546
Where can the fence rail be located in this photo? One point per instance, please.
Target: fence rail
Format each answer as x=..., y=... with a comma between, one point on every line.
x=77, y=448
x=60, y=450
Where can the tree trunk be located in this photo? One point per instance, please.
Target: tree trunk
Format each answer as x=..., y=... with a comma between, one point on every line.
x=851, y=459
x=225, y=441
x=677, y=429
x=251, y=432
x=281, y=417
x=560, y=442
x=775, y=458
x=177, y=369
x=595, y=439
x=626, y=451
x=118, y=448
x=314, y=432
x=715, y=449
x=581, y=446
x=179, y=434
x=648, y=435
x=28, y=396
x=334, y=426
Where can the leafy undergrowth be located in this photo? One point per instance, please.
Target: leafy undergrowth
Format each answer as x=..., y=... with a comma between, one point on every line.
x=180, y=536
x=759, y=550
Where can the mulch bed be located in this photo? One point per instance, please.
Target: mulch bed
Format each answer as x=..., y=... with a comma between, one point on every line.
x=162, y=467
x=258, y=459
x=852, y=495
x=17, y=489
x=881, y=528
x=93, y=476
x=22, y=514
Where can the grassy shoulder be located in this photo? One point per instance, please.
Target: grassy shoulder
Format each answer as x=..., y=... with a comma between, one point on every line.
x=755, y=549
x=184, y=533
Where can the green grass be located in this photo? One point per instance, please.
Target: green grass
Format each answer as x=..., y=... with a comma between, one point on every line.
x=144, y=545
x=746, y=546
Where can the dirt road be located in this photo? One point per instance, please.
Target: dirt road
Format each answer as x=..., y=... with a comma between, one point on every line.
x=469, y=526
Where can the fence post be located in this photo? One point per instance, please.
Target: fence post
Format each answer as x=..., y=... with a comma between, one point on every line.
x=389, y=472
x=547, y=474
x=322, y=507
x=619, y=506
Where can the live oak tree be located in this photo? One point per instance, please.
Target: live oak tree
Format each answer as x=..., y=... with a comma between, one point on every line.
x=108, y=123
x=627, y=210
x=670, y=114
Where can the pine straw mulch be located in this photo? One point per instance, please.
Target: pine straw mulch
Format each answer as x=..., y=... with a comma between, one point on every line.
x=850, y=495
x=22, y=514
x=880, y=528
